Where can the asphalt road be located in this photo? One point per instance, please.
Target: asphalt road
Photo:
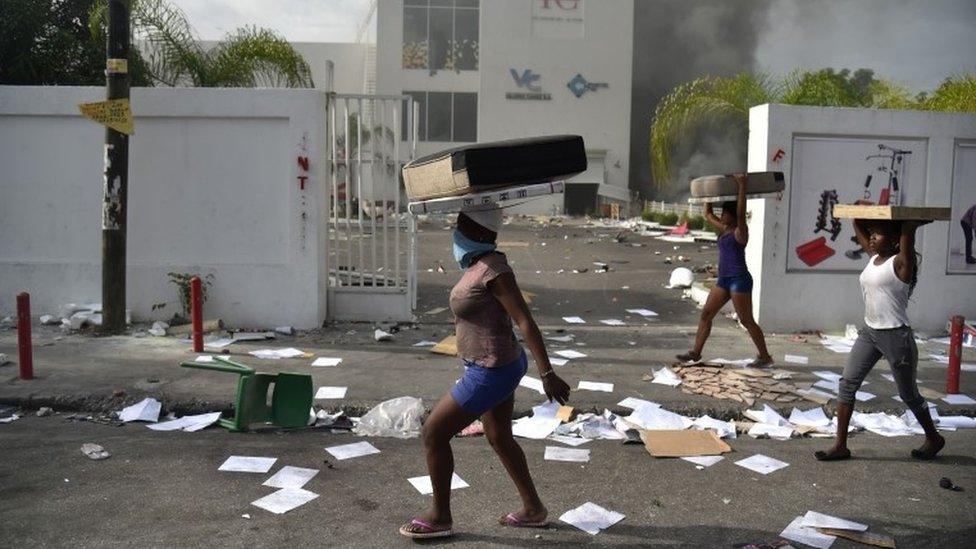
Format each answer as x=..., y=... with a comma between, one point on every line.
x=164, y=490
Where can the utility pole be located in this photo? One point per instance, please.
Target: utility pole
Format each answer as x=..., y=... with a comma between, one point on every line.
x=116, y=173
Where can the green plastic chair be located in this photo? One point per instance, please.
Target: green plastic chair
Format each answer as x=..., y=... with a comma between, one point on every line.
x=291, y=397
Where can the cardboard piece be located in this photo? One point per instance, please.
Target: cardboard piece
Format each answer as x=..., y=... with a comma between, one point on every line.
x=447, y=346
x=668, y=443
x=867, y=538
x=895, y=213
x=564, y=414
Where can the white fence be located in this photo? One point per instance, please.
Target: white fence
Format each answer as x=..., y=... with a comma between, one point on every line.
x=227, y=182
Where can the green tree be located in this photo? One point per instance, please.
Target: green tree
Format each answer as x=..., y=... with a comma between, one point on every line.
x=247, y=57
x=47, y=42
x=711, y=100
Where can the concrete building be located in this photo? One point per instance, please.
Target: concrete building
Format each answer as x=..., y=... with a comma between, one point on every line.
x=484, y=71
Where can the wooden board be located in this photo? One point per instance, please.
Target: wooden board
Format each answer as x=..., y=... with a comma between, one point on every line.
x=895, y=213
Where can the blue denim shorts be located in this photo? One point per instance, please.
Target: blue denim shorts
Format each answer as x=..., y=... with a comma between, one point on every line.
x=739, y=284
x=480, y=389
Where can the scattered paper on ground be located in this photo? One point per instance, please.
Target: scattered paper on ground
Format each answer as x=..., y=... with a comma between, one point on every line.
x=284, y=500
x=555, y=361
x=330, y=392
x=795, y=531
x=660, y=443
x=425, y=487
x=642, y=312
x=613, y=322
x=572, y=441
x=704, y=461
x=796, y=359
x=276, y=354
x=814, y=519
x=247, y=464
x=326, y=361
x=354, y=450
x=574, y=320
x=666, y=376
x=570, y=353
x=530, y=382
x=425, y=343
x=557, y=453
x=291, y=477
x=145, y=410
x=591, y=518
x=962, y=400
x=561, y=339
x=204, y=359
x=218, y=343
x=187, y=423
x=635, y=403
x=533, y=427
x=595, y=386
x=762, y=464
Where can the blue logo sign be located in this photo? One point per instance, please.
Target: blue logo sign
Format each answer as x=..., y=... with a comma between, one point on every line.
x=579, y=85
x=526, y=79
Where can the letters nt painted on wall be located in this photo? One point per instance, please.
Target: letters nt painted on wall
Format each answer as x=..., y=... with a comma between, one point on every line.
x=303, y=164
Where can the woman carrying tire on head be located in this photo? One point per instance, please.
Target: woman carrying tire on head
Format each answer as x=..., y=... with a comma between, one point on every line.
x=485, y=302
x=734, y=280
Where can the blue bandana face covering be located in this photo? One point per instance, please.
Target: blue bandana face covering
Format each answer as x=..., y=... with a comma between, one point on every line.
x=465, y=249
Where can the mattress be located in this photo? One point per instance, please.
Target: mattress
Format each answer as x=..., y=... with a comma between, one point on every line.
x=486, y=166
x=725, y=185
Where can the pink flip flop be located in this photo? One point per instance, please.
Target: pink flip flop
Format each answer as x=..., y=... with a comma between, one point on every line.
x=427, y=530
x=513, y=521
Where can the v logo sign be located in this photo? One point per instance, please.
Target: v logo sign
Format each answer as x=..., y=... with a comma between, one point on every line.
x=526, y=79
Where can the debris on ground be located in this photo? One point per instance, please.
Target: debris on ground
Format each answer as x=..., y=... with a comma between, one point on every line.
x=189, y=424
x=476, y=428
x=94, y=451
x=447, y=346
x=45, y=411
x=380, y=335
x=425, y=487
x=277, y=354
x=683, y=443
x=9, y=414
x=591, y=518
x=746, y=385
x=398, y=417
x=682, y=277
x=145, y=410
x=285, y=330
x=3, y=359
x=158, y=328
x=946, y=483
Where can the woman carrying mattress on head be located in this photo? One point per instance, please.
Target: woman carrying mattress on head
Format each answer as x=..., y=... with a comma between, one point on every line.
x=734, y=280
x=485, y=302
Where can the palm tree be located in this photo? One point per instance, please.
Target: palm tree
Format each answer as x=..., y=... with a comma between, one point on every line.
x=249, y=57
x=711, y=100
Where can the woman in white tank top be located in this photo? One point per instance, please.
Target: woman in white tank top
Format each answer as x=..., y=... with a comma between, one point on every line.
x=886, y=284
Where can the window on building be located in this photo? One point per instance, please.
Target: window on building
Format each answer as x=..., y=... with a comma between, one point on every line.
x=445, y=116
x=440, y=35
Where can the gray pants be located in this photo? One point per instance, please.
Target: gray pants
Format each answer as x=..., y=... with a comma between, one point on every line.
x=897, y=346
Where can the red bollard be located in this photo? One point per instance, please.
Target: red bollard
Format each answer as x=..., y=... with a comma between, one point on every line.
x=955, y=354
x=24, y=345
x=196, y=313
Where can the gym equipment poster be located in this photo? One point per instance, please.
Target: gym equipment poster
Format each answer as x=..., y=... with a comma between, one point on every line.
x=841, y=170
x=962, y=224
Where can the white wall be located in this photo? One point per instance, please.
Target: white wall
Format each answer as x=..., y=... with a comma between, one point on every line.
x=787, y=299
x=213, y=188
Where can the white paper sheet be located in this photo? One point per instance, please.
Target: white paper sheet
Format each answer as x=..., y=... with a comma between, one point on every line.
x=767, y=415
x=957, y=422
x=571, y=441
x=574, y=320
x=704, y=461
x=284, y=500
x=276, y=354
x=795, y=531
x=814, y=519
x=797, y=359
x=595, y=386
x=655, y=418
x=546, y=409
x=330, y=393
x=145, y=410
x=863, y=396
x=217, y=343
x=328, y=361
x=960, y=399
x=425, y=343
x=882, y=424
x=570, y=353
x=206, y=359
x=762, y=464
x=964, y=366
x=556, y=361
x=187, y=423
x=830, y=385
x=642, y=312
x=613, y=322
x=635, y=403
x=247, y=464
x=354, y=450
x=558, y=453
x=536, y=428
x=828, y=375
x=530, y=382
x=291, y=477
x=889, y=377
x=814, y=417
x=591, y=518
x=561, y=339
x=425, y=487
x=816, y=392
x=252, y=336
x=776, y=432
x=737, y=362
x=724, y=429
x=665, y=376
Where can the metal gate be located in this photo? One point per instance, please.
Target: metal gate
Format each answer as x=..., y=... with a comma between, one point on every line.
x=372, y=238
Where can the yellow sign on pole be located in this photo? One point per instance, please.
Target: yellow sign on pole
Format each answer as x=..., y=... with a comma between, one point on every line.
x=114, y=113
